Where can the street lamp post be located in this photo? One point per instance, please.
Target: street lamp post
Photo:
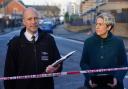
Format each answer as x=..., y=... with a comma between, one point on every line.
x=2, y=23
x=14, y=16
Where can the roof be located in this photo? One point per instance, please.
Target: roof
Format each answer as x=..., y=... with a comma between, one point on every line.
x=42, y=8
x=8, y=1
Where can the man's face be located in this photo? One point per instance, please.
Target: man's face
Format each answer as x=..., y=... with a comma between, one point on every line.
x=101, y=28
x=30, y=21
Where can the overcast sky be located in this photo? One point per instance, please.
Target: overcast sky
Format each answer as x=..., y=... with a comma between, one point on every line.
x=49, y=2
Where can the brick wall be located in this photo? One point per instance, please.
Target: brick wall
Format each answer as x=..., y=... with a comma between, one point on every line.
x=121, y=29
x=14, y=6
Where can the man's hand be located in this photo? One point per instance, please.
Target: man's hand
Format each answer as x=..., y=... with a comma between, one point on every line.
x=51, y=69
x=112, y=85
x=93, y=85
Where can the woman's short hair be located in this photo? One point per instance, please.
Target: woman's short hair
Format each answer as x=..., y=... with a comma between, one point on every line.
x=108, y=18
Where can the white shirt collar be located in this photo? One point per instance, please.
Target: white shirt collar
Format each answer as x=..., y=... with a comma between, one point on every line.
x=28, y=35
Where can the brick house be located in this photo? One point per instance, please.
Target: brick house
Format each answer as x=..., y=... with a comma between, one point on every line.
x=46, y=11
x=1, y=1
x=14, y=10
x=119, y=8
x=14, y=7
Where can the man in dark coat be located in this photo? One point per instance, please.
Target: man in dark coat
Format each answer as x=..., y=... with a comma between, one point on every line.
x=32, y=52
x=104, y=50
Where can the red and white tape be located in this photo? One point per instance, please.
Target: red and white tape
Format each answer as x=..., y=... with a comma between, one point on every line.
x=63, y=73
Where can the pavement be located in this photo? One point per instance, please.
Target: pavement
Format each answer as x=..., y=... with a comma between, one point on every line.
x=7, y=30
x=60, y=31
x=79, y=36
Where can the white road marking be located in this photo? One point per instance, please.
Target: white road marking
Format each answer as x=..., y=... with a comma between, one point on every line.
x=126, y=77
x=127, y=53
x=75, y=41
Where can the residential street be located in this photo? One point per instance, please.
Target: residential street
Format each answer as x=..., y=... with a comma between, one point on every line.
x=66, y=42
x=69, y=24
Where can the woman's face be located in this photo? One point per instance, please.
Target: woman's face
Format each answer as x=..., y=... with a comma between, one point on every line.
x=101, y=28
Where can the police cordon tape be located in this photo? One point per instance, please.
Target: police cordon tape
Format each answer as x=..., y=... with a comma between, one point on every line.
x=63, y=73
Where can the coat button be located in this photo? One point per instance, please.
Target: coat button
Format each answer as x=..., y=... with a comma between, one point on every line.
x=101, y=46
x=101, y=57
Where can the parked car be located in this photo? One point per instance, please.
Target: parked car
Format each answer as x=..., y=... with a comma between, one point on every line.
x=47, y=26
x=61, y=19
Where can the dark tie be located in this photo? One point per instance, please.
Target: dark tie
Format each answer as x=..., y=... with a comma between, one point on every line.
x=33, y=39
